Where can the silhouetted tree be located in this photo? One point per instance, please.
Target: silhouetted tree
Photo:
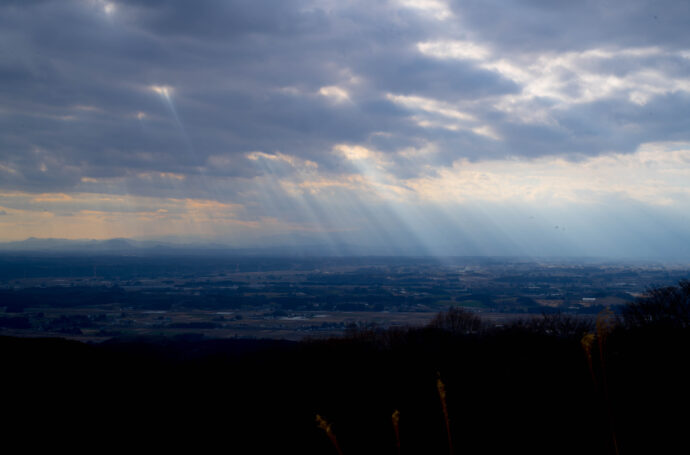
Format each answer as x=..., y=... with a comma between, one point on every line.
x=557, y=324
x=662, y=307
x=457, y=321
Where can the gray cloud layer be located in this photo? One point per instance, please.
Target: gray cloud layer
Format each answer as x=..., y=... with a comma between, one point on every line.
x=77, y=77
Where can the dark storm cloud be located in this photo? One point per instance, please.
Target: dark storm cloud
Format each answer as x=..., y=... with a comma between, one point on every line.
x=529, y=26
x=447, y=80
x=223, y=20
x=225, y=61
x=78, y=77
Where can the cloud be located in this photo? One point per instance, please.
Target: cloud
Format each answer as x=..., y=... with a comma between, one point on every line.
x=300, y=77
x=561, y=25
x=656, y=175
x=300, y=111
x=459, y=50
x=335, y=93
x=437, y=8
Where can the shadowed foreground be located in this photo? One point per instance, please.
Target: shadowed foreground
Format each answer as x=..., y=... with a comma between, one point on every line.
x=528, y=387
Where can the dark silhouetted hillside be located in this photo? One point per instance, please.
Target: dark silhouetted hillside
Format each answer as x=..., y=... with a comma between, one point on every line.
x=526, y=387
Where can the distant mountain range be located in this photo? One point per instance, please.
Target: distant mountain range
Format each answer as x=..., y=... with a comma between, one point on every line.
x=277, y=246
x=49, y=245
x=123, y=246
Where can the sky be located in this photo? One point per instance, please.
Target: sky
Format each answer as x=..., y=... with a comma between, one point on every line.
x=538, y=128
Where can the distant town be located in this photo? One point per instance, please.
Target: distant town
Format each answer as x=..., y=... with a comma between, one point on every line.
x=99, y=297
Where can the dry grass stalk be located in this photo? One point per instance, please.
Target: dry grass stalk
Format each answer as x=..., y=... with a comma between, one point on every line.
x=327, y=427
x=605, y=324
x=442, y=395
x=587, y=341
x=396, y=426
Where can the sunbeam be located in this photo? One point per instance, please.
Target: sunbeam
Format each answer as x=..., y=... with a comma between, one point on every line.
x=305, y=124
x=208, y=186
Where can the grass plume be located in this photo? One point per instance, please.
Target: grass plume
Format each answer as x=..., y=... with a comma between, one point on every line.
x=441, y=387
x=605, y=324
x=396, y=426
x=587, y=341
x=328, y=428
